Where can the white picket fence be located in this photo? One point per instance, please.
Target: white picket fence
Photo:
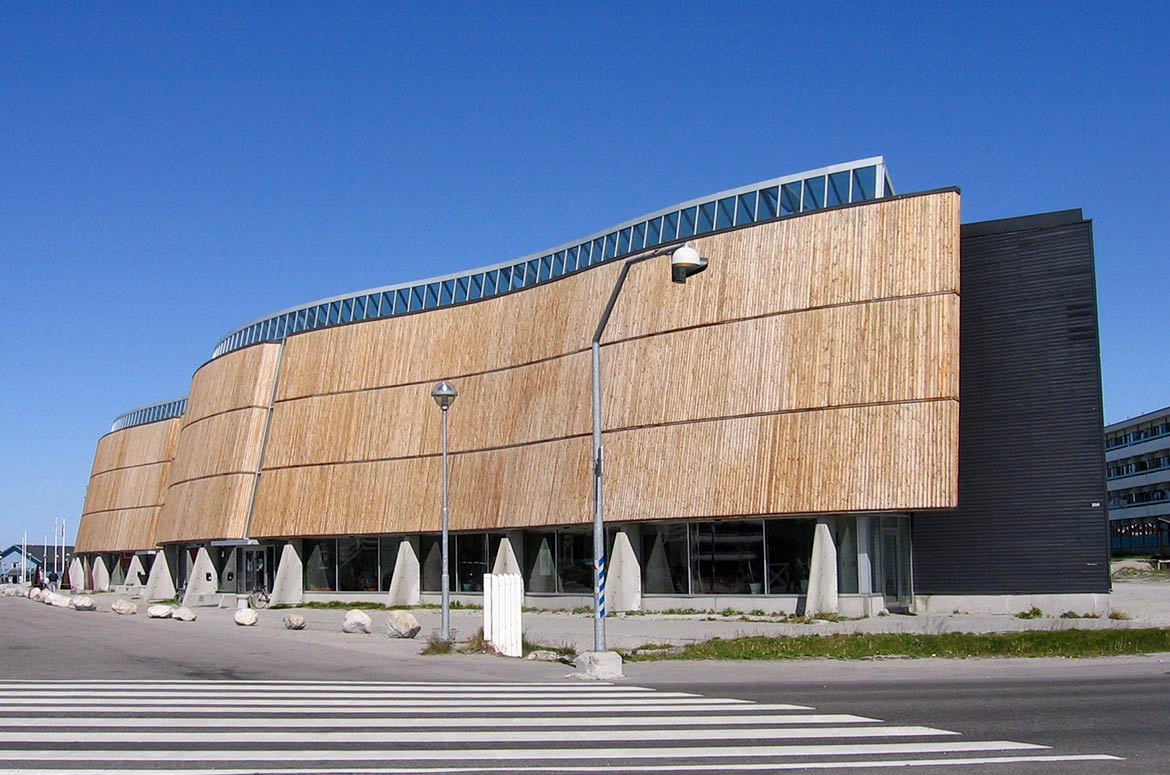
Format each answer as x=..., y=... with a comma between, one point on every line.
x=503, y=595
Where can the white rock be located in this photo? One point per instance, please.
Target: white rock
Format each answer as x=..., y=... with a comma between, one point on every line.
x=12, y=591
x=601, y=665
x=402, y=624
x=123, y=607
x=56, y=600
x=83, y=603
x=294, y=622
x=246, y=617
x=357, y=621
x=183, y=614
x=160, y=611
x=544, y=656
x=35, y=595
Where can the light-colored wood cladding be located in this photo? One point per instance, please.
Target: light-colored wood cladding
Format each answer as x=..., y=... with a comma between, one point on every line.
x=881, y=250
x=874, y=353
x=525, y=486
x=126, y=488
x=870, y=458
x=545, y=400
x=238, y=379
x=813, y=368
x=227, y=443
x=206, y=509
x=545, y=321
x=140, y=445
x=210, y=483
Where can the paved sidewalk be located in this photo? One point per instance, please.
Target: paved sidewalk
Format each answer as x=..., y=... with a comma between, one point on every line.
x=1147, y=603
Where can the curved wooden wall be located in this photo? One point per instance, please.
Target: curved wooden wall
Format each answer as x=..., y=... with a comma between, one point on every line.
x=812, y=368
x=126, y=488
x=210, y=484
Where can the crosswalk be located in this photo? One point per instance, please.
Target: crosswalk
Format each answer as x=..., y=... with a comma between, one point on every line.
x=311, y=727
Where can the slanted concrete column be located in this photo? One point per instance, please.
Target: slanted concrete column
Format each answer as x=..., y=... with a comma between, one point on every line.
x=77, y=574
x=117, y=577
x=159, y=585
x=405, y=587
x=864, y=560
x=101, y=575
x=288, y=588
x=227, y=576
x=202, y=582
x=623, y=581
x=822, y=577
x=134, y=574
x=506, y=561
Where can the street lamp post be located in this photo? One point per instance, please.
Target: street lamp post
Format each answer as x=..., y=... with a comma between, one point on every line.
x=684, y=262
x=444, y=395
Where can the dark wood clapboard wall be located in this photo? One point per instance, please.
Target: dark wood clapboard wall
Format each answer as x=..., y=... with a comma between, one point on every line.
x=812, y=368
x=126, y=488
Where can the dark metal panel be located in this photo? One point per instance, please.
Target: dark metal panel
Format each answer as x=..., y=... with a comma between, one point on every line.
x=1031, y=515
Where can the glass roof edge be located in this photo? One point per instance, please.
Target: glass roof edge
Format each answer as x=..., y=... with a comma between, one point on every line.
x=144, y=407
x=878, y=161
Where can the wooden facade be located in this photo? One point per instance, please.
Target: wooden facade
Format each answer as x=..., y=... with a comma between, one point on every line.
x=211, y=482
x=126, y=488
x=813, y=368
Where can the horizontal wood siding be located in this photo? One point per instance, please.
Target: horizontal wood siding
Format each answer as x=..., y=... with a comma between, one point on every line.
x=210, y=484
x=126, y=488
x=1031, y=517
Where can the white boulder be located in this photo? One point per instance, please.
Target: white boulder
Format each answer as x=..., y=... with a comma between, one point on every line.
x=294, y=622
x=160, y=611
x=357, y=621
x=35, y=594
x=402, y=624
x=11, y=591
x=123, y=607
x=183, y=614
x=83, y=603
x=55, y=600
x=246, y=617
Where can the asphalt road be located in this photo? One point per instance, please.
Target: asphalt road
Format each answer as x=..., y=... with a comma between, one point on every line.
x=1116, y=706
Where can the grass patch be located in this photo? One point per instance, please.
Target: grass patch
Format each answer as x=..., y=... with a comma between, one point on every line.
x=1119, y=615
x=1057, y=643
x=1031, y=613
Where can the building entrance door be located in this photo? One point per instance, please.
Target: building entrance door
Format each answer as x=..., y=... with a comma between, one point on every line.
x=258, y=570
x=895, y=550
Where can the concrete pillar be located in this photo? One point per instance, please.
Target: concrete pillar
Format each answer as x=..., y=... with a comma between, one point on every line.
x=159, y=585
x=543, y=577
x=405, y=585
x=77, y=574
x=864, y=560
x=203, y=581
x=623, y=582
x=101, y=575
x=134, y=575
x=506, y=561
x=227, y=575
x=822, y=577
x=288, y=588
x=117, y=577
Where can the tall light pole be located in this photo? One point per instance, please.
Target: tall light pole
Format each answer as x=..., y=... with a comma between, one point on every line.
x=684, y=262
x=444, y=395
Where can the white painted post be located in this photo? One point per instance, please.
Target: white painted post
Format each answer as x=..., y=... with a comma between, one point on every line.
x=503, y=594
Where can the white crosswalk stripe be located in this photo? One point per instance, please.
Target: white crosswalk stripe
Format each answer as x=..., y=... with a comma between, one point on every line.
x=313, y=727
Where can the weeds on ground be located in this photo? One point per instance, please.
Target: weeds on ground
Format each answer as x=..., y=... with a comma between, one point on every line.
x=436, y=645
x=1031, y=613
x=1075, y=615
x=1119, y=615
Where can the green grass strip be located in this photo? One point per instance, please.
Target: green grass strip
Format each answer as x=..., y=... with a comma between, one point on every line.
x=1033, y=643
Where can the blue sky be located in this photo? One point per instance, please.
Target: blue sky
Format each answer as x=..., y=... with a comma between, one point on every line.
x=171, y=172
